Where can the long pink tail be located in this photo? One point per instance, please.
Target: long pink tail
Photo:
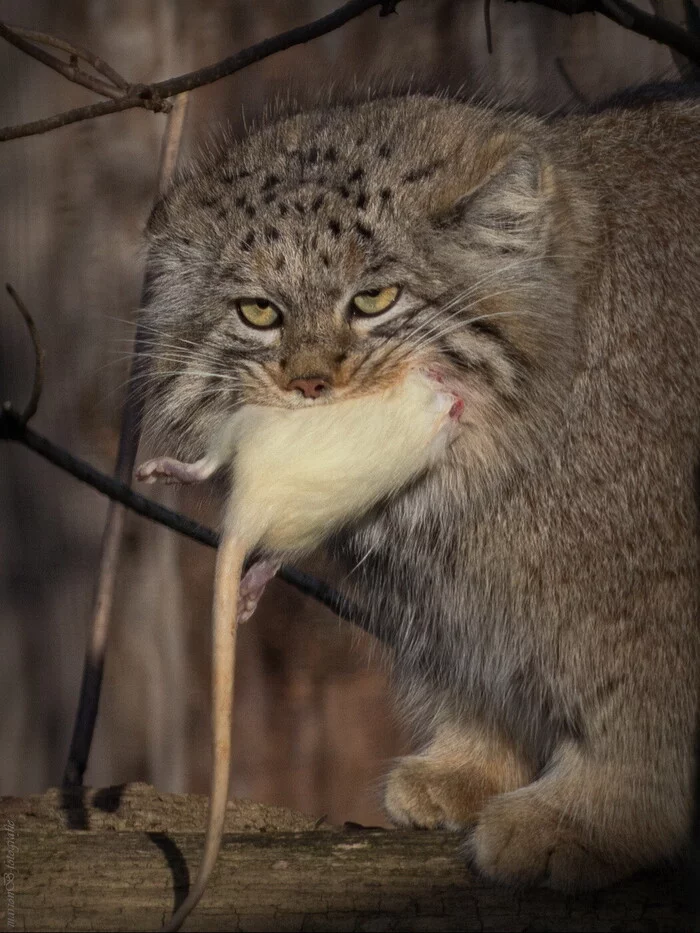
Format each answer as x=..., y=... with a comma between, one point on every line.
x=229, y=567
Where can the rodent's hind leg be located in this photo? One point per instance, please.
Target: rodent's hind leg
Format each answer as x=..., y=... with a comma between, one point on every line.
x=169, y=470
x=448, y=784
x=253, y=585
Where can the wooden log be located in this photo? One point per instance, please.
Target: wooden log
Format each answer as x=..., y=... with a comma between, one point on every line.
x=122, y=858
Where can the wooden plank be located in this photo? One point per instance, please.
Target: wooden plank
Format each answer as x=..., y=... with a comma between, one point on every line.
x=134, y=860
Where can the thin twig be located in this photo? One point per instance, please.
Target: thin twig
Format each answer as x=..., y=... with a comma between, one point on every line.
x=57, y=42
x=37, y=385
x=487, y=26
x=172, y=140
x=129, y=436
x=90, y=112
x=154, y=96
x=69, y=70
x=568, y=81
x=631, y=17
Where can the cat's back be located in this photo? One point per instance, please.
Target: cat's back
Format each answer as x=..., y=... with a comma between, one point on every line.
x=639, y=158
x=633, y=437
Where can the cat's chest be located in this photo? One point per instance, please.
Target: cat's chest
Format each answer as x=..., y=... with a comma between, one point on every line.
x=428, y=555
x=442, y=572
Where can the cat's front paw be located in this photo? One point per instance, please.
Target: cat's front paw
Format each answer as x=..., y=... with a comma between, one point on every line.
x=520, y=840
x=427, y=794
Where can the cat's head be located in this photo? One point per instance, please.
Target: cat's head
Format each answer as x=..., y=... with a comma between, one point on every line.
x=325, y=254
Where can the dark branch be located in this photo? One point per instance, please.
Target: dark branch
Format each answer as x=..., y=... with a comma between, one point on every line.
x=566, y=78
x=70, y=70
x=154, y=96
x=631, y=17
x=12, y=428
x=487, y=26
x=33, y=403
x=129, y=435
x=75, y=51
x=255, y=53
x=83, y=113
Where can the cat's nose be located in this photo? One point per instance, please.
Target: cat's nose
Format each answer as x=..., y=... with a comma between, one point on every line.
x=313, y=387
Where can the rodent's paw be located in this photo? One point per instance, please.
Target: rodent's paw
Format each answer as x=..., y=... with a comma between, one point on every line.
x=520, y=840
x=426, y=793
x=253, y=586
x=162, y=470
x=169, y=470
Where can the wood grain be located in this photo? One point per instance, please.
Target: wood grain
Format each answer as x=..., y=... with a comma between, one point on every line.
x=120, y=859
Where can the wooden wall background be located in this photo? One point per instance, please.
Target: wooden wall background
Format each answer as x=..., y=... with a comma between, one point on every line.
x=314, y=725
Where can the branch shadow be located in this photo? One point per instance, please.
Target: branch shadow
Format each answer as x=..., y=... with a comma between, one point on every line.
x=176, y=864
x=75, y=809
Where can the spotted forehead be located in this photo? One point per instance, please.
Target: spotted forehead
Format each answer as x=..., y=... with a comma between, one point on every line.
x=315, y=202
x=301, y=200
x=311, y=202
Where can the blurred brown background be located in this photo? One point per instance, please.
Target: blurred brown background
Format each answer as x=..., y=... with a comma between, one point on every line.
x=314, y=723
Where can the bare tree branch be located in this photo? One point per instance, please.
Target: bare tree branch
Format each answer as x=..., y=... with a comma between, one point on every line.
x=631, y=17
x=566, y=78
x=76, y=51
x=90, y=112
x=684, y=14
x=12, y=428
x=70, y=70
x=154, y=96
x=487, y=26
x=170, y=149
x=129, y=436
x=37, y=385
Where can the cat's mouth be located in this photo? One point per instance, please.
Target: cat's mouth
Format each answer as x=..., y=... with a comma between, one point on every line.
x=443, y=383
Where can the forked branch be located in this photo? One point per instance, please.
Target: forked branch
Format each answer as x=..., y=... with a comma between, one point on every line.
x=155, y=96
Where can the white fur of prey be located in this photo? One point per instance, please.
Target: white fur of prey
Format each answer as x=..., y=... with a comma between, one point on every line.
x=297, y=474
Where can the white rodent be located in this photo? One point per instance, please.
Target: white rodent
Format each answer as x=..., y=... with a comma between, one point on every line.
x=296, y=476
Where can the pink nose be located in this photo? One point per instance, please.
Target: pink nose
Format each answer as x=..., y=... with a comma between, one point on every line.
x=310, y=388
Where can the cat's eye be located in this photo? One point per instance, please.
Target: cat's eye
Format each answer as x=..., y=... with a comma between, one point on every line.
x=257, y=312
x=375, y=300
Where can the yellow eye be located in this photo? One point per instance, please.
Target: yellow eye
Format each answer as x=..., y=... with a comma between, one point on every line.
x=256, y=312
x=375, y=300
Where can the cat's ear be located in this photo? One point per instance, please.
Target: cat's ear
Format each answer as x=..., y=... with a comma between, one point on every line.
x=508, y=209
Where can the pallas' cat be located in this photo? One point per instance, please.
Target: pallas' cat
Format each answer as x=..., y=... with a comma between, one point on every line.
x=538, y=585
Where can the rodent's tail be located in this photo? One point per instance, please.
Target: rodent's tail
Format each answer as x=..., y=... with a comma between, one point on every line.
x=229, y=566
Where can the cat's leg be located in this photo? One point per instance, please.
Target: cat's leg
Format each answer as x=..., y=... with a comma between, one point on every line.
x=448, y=783
x=594, y=816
